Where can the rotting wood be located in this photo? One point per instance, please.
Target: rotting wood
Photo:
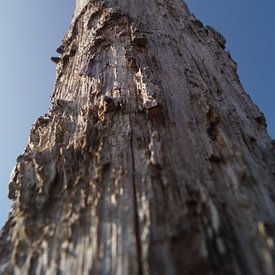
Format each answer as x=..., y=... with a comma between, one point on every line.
x=152, y=158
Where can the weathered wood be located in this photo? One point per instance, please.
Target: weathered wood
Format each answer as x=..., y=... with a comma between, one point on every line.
x=152, y=158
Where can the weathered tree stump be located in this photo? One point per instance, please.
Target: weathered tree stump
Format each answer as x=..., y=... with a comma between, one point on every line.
x=152, y=158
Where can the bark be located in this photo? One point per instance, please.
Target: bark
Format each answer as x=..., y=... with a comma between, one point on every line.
x=152, y=158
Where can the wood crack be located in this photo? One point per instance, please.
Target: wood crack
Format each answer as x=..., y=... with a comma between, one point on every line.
x=135, y=199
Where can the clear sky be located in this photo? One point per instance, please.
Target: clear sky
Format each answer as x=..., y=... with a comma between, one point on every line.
x=31, y=30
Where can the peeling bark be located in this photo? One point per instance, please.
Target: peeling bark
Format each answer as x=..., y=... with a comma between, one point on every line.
x=152, y=158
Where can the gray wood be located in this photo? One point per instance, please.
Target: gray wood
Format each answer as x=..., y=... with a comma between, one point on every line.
x=152, y=158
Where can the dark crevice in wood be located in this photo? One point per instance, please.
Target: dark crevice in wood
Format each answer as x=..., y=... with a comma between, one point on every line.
x=261, y=121
x=135, y=200
x=213, y=120
x=216, y=158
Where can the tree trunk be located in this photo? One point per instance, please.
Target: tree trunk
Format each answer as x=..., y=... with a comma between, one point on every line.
x=152, y=158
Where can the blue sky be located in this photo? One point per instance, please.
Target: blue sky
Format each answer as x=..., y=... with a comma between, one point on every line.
x=31, y=30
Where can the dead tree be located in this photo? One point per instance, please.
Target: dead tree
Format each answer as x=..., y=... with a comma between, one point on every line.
x=152, y=158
